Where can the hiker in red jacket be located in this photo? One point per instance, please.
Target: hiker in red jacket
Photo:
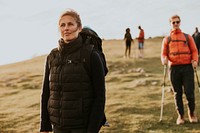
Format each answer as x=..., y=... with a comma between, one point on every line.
x=141, y=42
x=182, y=56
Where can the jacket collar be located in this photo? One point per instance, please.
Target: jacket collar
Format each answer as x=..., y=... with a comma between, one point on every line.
x=68, y=48
x=175, y=31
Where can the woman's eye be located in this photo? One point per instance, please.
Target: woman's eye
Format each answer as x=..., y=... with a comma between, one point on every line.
x=62, y=25
x=70, y=24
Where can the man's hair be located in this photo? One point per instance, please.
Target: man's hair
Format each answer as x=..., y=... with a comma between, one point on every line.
x=139, y=27
x=73, y=14
x=173, y=17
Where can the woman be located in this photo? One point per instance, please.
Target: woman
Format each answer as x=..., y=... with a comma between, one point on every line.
x=72, y=101
x=128, y=39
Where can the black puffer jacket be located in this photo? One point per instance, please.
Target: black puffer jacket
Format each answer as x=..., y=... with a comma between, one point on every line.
x=73, y=99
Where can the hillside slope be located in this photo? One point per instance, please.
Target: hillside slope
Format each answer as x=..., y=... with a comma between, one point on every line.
x=133, y=91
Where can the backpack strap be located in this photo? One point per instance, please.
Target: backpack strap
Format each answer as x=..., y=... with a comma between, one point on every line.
x=187, y=39
x=168, y=40
x=86, y=51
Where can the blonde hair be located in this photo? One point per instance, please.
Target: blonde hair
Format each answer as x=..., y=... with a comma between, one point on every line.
x=173, y=17
x=73, y=14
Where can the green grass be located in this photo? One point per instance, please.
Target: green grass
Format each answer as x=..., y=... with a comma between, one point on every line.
x=133, y=94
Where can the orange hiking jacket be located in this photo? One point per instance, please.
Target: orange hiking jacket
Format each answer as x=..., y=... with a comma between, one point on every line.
x=177, y=51
x=141, y=36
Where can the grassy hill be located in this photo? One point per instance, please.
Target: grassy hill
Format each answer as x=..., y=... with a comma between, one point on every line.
x=133, y=92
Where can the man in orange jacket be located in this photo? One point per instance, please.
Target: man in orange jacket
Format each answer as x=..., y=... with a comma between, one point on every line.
x=181, y=54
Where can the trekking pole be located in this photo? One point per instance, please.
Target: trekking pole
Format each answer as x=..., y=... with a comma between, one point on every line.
x=195, y=70
x=163, y=92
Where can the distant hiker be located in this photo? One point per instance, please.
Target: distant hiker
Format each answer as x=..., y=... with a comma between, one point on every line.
x=128, y=39
x=180, y=53
x=141, y=42
x=196, y=37
x=73, y=100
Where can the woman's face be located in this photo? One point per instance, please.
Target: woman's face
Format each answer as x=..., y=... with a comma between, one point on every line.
x=69, y=28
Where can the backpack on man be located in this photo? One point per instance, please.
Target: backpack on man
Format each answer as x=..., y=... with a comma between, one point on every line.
x=186, y=41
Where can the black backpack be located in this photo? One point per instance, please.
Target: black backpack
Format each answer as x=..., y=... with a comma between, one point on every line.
x=91, y=41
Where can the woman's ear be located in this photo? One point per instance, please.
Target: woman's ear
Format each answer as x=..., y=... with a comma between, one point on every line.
x=80, y=28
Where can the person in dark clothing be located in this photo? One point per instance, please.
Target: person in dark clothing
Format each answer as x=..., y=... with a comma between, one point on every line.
x=128, y=39
x=72, y=101
x=196, y=37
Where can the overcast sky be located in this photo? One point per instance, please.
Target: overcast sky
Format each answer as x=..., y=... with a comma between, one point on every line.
x=28, y=28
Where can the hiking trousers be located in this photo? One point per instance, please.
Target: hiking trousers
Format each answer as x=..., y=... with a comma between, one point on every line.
x=70, y=131
x=182, y=79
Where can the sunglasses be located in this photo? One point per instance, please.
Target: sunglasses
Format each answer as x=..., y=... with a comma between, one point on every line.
x=177, y=22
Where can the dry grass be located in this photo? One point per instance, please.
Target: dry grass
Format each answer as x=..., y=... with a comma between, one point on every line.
x=133, y=93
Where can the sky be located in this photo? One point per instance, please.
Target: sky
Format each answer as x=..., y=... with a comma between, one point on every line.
x=29, y=28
